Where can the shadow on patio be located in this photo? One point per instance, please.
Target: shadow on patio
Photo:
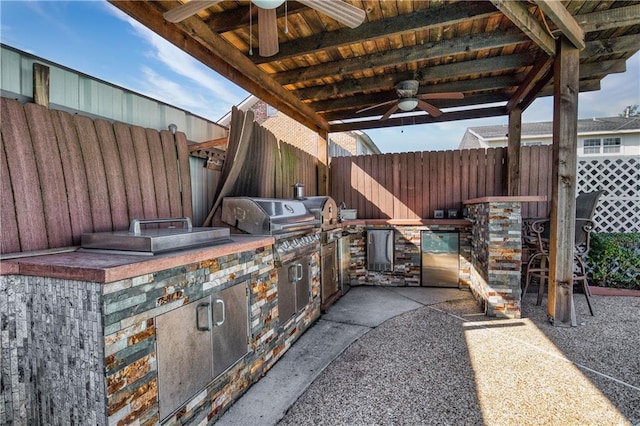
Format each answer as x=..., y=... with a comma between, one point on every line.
x=443, y=362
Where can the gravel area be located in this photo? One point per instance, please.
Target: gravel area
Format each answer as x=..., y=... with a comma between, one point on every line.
x=448, y=364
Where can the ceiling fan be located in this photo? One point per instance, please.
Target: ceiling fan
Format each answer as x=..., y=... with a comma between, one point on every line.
x=408, y=101
x=342, y=12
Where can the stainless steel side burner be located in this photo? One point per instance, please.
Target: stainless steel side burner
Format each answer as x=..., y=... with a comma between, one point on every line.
x=149, y=241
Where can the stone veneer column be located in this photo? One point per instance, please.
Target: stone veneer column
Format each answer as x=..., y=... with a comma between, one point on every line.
x=496, y=255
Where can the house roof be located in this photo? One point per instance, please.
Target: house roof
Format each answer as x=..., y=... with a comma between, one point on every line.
x=545, y=128
x=330, y=77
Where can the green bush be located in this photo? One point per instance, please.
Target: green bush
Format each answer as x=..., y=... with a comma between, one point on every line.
x=614, y=260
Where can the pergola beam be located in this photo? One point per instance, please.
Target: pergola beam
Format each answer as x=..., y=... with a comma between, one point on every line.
x=419, y=119
x=540, y=68
x=564, y=20
x=518, y=13
x=608, y=19
x=401, y=56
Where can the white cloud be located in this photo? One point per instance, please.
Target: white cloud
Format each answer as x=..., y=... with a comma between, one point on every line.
x=195, y=87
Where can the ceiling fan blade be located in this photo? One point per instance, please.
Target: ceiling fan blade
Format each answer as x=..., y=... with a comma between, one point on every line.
x=444, y=95
x=342, y=12
x=433, y=111
x=388, y=113
x=267, y=32
x=186, y=10
x=375, y=106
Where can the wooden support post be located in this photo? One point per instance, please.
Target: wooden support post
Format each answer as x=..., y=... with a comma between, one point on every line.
x=513, y=152
x=323, y=162
x=41, y=84
x=565, y=137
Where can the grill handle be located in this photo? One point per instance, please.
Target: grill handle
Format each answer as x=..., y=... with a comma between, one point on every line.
x=134, y=228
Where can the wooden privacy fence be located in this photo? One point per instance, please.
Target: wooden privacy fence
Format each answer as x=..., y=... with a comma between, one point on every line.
x=413, y=185
x=258, y=165
x=63, y=175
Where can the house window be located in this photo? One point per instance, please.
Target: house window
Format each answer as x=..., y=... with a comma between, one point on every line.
x=532, y=143
x=271, y=111
x=592, y=146
x=611, y=146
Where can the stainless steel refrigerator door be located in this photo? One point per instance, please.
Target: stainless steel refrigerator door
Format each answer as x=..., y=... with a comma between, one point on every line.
x=440, y=259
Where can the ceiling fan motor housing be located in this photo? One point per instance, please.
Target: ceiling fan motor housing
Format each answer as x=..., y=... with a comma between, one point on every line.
x=407, y=88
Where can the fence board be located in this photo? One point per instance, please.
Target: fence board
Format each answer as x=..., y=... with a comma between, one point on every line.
x=145, y=174
x=114, y=174
x=389, y=185
x=456, y=182
x=22, y=169
x=173, y=178
x=185, y=175
x=129, y=170
x=426, y=201
x=10, y=241
x=96, y=174
x=415, y=195
x=465, y=160
x=74, y=176
x=49, y=170
x=159, y=173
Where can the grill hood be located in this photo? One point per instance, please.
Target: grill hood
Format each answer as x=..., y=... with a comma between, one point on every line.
x=324, y=209
x=266, y=216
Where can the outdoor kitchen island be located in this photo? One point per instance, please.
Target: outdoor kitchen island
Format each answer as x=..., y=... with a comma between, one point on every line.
x=87, y=329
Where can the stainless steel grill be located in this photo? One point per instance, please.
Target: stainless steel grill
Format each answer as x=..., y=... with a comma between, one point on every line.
x=267, y=216
x=325, y=211
x=297, y=236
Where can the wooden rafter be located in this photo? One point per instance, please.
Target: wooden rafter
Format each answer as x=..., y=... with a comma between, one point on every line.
x=564, y=20
x=518, y=13
x=401, y=56
x=419, y=119
x=608, y=19
x=446, y=71
x=420, y=20
x=540, y=68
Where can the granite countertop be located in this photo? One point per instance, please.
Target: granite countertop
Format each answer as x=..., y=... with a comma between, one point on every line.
x=406, y=222
x=104, y=268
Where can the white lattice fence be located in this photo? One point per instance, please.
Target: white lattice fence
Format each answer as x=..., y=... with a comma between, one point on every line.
x=619, y=207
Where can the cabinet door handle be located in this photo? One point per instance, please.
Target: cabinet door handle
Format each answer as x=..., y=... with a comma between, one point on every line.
x=206, y=327
x=224, y=313
x=300, y=272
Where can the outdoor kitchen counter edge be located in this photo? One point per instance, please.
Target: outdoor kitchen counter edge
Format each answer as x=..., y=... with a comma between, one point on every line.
x=406, y=222
x=105, y=268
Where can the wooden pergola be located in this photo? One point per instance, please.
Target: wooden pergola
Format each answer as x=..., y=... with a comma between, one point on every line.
x=501, y=55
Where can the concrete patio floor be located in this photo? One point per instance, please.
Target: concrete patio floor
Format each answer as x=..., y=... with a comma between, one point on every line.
x=429, y=356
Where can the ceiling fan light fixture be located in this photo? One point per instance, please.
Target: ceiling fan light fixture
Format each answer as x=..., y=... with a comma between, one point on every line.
x=407, y=104
x=268, y=4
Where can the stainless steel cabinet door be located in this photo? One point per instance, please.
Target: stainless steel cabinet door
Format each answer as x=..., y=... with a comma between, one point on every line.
x=230, y=326
x=287, y=278
x=303, y=285
x=184, y=354
x=328, y=272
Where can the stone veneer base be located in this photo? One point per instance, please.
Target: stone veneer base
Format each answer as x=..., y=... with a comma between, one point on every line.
x=76, y=352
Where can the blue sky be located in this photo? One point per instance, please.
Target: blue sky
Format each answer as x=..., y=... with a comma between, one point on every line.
x=97, y=39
